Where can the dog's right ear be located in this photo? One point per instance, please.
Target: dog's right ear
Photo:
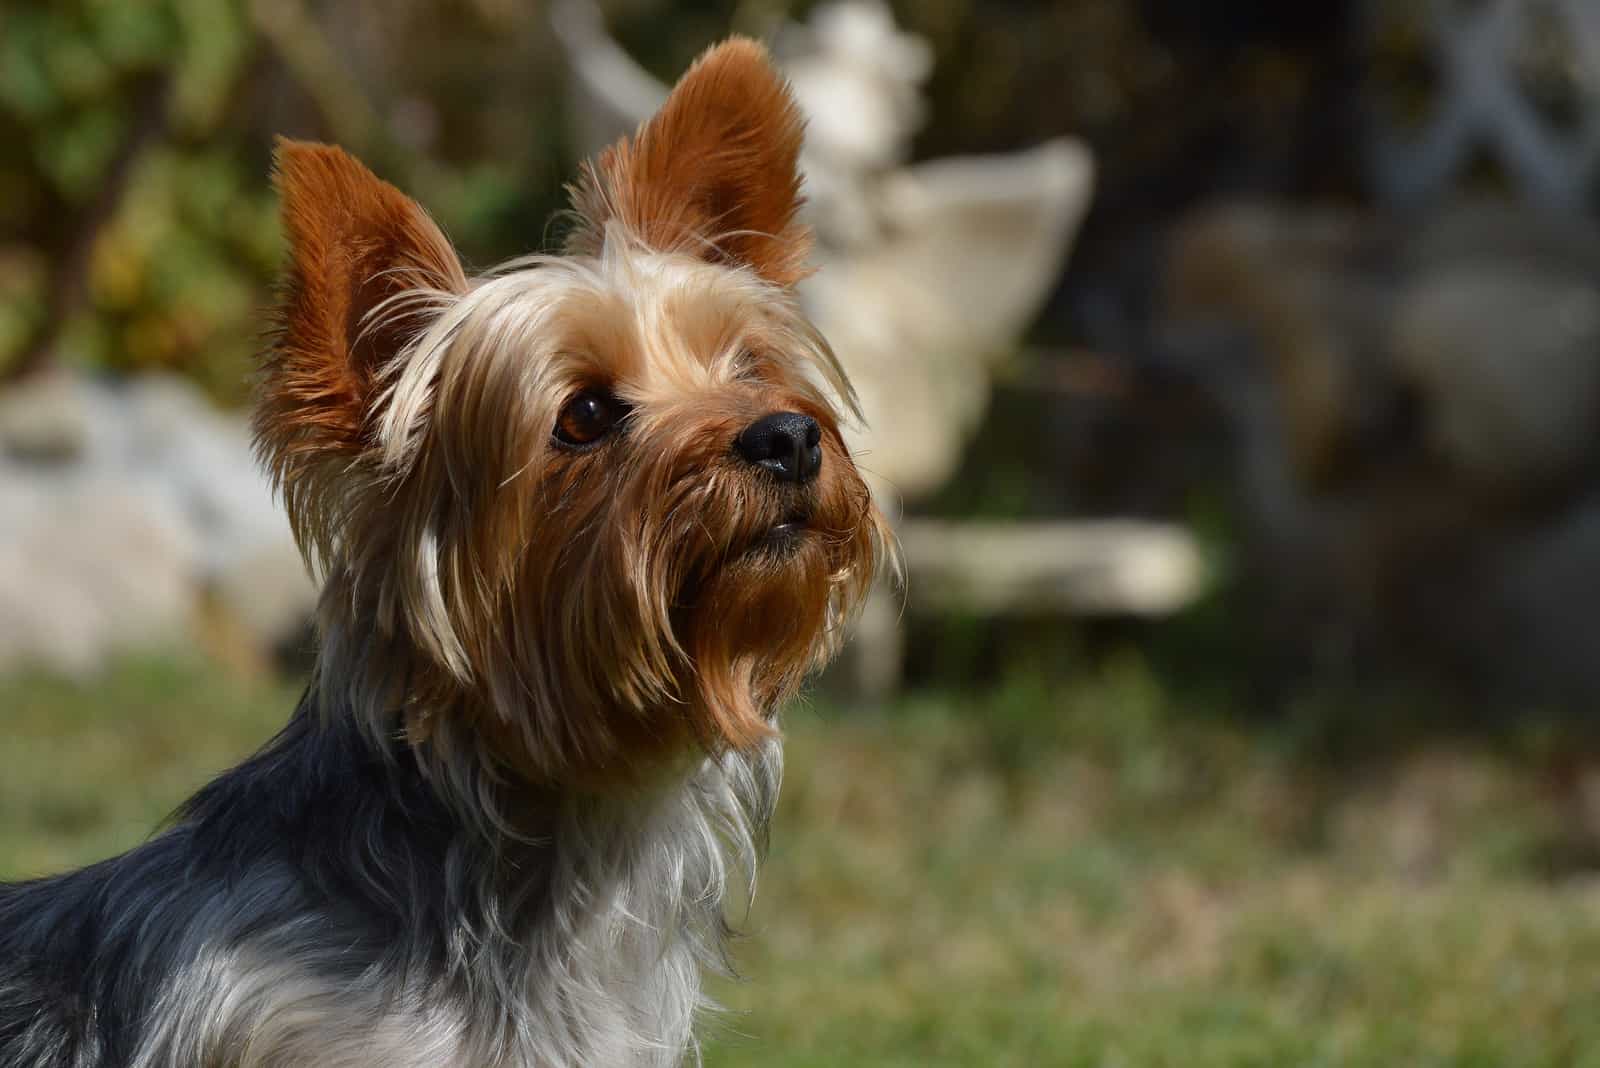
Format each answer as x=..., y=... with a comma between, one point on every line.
x=355, y=242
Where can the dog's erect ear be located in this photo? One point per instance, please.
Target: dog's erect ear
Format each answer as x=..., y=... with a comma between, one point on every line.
x=355, y=241
x=715, y=172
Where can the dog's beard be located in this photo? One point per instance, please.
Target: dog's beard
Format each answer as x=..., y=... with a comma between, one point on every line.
x=689, y=593
x=756, y=618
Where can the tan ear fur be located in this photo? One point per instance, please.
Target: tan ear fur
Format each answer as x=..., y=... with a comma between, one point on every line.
x=354, y=242
x=715, y=172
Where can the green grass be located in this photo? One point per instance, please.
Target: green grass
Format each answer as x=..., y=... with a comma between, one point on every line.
x=1089, y=874
x=89, y=771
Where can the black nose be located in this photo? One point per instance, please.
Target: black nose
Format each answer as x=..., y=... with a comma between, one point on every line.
x=788, y=444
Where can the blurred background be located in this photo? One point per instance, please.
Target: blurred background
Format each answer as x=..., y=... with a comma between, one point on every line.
x=1232, y=374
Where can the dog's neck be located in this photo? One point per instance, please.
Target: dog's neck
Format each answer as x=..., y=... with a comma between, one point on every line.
x=596, y=911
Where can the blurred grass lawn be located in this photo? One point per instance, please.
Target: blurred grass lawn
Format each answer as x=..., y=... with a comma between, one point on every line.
x=1043, y=875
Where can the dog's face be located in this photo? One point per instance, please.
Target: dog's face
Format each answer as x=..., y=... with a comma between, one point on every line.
x=600, y=499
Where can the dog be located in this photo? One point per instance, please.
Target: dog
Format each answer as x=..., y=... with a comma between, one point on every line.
x=583, y=523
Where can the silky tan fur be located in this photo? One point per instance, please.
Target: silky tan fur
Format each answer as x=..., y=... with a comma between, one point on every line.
x=540, y=736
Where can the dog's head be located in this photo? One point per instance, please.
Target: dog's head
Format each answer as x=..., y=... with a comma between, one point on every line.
x=599, y=501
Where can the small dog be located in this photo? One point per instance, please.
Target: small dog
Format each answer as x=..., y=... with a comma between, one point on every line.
x=584, y=523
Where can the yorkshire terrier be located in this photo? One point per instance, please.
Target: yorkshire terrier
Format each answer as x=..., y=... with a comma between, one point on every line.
x=585, y=523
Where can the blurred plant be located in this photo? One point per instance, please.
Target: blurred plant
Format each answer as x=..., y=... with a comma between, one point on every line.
x=130, y=238
x=137, y=225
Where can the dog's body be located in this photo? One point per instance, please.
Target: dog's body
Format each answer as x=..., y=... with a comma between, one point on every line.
x=539, y=740
x=319, y=906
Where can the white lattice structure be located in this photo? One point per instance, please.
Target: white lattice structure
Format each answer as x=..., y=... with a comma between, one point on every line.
x=1484, y=53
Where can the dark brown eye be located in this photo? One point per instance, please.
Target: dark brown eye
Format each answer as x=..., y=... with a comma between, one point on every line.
x=587, y=417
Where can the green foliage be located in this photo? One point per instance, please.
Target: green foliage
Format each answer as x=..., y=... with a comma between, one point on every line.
x=137, y=224
x=133, y=236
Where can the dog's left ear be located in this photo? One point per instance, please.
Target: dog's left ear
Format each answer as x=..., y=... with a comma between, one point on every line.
x=715, y=173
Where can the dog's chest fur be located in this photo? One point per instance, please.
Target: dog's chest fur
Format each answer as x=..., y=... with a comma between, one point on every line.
x=321, y=905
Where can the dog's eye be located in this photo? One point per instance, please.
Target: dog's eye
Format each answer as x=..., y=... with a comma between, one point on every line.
x=748, y=367
x=587, y=417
